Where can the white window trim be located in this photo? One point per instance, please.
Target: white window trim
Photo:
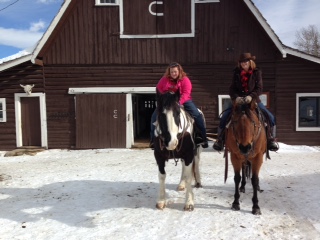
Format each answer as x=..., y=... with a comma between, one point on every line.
x=298, y=95
x=4, y=110
x=220, y=98
x=99, y=3
x=206, y=1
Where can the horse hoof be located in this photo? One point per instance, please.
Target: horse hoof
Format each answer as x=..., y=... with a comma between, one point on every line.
x=189, y=208
x=160, y=206
x=181, y=188
x=198, y=185
x=256, y=211
x=235, y=207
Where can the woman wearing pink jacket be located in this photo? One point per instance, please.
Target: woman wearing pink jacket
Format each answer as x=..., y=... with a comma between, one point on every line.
x=173, y=79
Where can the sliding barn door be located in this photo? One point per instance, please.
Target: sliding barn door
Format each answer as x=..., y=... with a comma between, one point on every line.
x=100, y=121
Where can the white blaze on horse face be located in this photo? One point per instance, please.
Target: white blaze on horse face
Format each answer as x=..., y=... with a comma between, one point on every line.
x=173, y=129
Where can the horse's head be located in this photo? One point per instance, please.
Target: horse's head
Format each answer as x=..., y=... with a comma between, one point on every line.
x=245, y=125
x=169, y=118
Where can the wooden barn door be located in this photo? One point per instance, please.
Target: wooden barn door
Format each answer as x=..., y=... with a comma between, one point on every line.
x=100, y=121
x=162, y=17
x=30, y=121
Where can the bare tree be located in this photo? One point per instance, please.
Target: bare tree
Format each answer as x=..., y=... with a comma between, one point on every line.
x=308, y=40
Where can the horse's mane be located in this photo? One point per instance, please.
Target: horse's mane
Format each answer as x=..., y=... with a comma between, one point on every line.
x=248, y=109
x=168, y=101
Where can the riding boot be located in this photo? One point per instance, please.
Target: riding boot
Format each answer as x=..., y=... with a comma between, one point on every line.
x=219, y=143
x=272, y=145
x=202, y=137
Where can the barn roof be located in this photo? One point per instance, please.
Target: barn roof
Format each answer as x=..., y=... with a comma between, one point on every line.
x=284, y=50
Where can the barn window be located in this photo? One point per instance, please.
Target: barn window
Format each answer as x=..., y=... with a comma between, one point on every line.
x=206, y=1
x=308, y=112
x=107, y=2
x=3, y=113
x=224, y=102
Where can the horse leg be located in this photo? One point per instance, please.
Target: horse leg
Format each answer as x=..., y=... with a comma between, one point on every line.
x=196, y=169
x=256, y=188
x=161, y=203
x=189, y=204
x=237, y=179
x=243, y=180
x=256, y=165
x=182, y=183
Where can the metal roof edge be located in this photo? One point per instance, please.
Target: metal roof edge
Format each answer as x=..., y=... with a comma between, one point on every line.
x=266, y=27
x=303, y=55
x=15, y=62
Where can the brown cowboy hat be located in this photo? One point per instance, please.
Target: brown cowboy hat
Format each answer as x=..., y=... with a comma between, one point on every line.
x=246, y=56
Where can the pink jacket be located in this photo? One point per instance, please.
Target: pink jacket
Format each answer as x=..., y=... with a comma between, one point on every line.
x=165, y=85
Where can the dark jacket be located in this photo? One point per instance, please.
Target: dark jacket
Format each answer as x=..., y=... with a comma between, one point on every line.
x=254, y=85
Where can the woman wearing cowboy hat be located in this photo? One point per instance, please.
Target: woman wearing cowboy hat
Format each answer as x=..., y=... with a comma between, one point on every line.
x=245, y=86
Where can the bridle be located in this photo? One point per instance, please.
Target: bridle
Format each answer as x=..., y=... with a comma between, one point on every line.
x=257, y=127
x=180, y=135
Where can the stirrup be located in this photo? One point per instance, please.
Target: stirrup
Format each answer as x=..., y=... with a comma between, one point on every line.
x=198, y=140
x=273, y=146
x=205, y=145
x=218, y=145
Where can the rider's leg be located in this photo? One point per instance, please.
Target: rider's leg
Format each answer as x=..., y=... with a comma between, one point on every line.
x=191, y=108
x=219, y=143
x=271, y=142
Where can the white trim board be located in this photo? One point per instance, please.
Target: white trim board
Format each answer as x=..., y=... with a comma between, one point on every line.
x=43, y=117
x=112, y=90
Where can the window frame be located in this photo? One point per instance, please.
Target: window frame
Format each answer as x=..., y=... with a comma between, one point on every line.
x=206, y=1
x=4, y=110
x=298, y=96
x=99, y=3
x=221, y=98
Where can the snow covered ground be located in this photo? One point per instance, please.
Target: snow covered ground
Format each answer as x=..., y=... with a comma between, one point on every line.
x=111, y=194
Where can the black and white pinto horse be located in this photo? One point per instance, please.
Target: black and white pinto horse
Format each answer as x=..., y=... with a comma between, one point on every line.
x=174, y=139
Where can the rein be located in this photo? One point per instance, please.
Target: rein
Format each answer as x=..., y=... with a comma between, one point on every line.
x=255, y=136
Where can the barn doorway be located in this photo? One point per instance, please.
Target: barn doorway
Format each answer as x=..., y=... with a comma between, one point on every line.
x=31, y=119
x=143, y=106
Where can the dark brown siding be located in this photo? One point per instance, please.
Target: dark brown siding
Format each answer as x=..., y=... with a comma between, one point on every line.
x=10, y=81
x=295, y=75
x=90, y=35
x=85, y=50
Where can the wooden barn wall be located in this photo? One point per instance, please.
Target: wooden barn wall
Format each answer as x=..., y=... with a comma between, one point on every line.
x=90, y=35
x=208, y=81
x=294, y=75
x=10, y=81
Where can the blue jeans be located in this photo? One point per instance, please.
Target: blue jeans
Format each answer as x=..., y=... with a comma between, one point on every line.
x=191, y=108
x=227, y=112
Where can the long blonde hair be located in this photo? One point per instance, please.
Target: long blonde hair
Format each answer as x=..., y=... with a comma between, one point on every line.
x=173, y=65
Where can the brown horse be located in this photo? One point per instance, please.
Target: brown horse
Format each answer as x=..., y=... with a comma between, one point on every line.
x=246, y=140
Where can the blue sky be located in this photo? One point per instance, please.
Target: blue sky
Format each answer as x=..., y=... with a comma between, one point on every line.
x=23, y=23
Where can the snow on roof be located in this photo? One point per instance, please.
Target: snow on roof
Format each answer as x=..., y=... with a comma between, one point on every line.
x=15, y=56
